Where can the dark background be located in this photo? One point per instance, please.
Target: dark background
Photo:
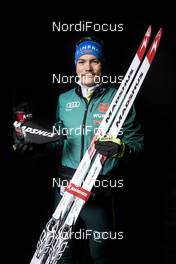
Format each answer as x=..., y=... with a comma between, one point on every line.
x=146, y=207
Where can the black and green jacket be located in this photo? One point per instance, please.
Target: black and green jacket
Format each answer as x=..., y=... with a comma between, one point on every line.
x=78, y=119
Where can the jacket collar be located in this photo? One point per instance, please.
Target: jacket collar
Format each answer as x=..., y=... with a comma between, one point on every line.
x=98, y=91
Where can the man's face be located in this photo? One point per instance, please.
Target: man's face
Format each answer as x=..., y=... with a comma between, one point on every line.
x=89, y=70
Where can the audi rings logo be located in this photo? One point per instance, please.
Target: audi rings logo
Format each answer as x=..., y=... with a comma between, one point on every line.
x=74, y=104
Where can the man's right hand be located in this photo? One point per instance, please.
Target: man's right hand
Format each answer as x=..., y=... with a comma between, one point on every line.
x=21, y=143
x=21, y=148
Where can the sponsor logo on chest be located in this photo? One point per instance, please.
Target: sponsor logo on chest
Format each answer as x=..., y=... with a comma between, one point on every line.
x=72, y=105
x=102, y=108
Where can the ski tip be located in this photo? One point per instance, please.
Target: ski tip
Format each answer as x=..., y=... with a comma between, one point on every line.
x=145, y=41
x=152, y=51
x=159, y=33
x=148, y=32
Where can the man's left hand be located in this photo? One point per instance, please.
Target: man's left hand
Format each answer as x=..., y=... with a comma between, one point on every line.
x=110, y=146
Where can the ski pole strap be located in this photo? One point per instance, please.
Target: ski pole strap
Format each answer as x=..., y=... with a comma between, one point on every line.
x=33, y=133
x=78, y=191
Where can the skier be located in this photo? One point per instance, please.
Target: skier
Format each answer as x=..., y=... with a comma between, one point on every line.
x=85, y=106
x=79, y=113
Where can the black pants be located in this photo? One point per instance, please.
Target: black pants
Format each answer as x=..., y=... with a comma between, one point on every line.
x=97, y=218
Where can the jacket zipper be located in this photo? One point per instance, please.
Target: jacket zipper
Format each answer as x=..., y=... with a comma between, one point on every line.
x=83, y=127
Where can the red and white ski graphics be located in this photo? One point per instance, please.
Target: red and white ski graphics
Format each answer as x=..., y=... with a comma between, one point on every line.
x=77, y=191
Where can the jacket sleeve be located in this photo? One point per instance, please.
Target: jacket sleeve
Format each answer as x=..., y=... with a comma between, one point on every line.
x=58, y=128
x=132, y=135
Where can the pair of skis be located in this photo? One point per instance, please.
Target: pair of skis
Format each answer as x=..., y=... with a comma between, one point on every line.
x=55, y=236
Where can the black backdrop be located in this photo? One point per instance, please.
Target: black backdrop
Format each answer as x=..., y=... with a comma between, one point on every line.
x=146, y=205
